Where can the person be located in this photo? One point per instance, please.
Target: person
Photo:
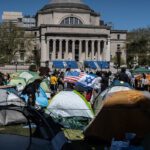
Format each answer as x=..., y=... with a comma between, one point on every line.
x=144, y=82
x=104, y=81
x=31, y=100
x=61, y=81
x=88, y=95
x=123, y=76
x=31, y=89
x=53, y=82
x=2, y=80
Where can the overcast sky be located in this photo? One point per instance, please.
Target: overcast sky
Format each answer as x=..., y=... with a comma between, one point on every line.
x=124, y=14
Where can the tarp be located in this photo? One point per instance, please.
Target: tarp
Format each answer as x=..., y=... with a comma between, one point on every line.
x=72, y=64
x=90, y=64
x=122, y=112
x=103, y=64
x=70, y=104
x=58, y=64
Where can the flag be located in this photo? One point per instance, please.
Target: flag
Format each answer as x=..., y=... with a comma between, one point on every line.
x=73, y=76
x=87, y=81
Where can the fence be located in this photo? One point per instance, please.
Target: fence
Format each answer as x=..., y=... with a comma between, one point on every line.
x=13, y=68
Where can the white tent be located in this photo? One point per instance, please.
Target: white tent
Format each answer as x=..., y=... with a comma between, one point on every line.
x=70, y=104
x=10, y=116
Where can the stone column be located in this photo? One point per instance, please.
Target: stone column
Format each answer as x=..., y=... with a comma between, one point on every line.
x=104, y=51
x=108, y=50
x=43, y=51
x=54, y=50
x=98, y=50
x=60, y=50
x=66, y=52
x=80, y=51
x=86, y=50
x=73, y=49
x=92, y=50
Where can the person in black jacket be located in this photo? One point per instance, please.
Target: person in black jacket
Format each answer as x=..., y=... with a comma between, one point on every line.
x=123, y=76
x=30, y=90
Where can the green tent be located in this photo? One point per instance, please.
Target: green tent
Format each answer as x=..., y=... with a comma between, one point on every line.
x=27, y=75
x=45, y=85
x=16, y=81
x=141, y=70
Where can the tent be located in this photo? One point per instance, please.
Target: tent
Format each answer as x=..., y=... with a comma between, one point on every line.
x=115, y=87
x=18, y=80
x=10, y=99
x=37, y=131
x=45, y=85
x=122, y=112
x=25, y=74
x=70, y=105
x=41, y=98
x=141, y=70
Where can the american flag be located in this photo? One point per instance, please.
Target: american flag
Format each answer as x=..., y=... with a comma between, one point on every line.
x=74, y=76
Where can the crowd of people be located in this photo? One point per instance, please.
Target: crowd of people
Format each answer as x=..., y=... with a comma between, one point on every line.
x=103, y=80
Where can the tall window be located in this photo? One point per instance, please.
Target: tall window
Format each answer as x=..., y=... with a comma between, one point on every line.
x=118, y=47
x=118, y=36
x=71, y=21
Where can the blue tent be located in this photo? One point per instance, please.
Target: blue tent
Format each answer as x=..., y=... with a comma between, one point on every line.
x=41, y=98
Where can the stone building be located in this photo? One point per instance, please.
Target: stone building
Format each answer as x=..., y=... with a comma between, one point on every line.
x=71, y=30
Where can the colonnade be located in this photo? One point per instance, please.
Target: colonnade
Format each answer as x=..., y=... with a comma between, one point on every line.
x=74, y=49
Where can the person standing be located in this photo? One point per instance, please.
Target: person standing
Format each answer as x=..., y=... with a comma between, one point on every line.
x=144, y=82
x=123, y=76
x=53, y=82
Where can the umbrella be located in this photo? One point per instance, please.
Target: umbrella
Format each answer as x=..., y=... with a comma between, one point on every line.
x=122, y=112
x=16, y=81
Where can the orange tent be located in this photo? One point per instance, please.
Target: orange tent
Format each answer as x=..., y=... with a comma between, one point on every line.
x=122, y=112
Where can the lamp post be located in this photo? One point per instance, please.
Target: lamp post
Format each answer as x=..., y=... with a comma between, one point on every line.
x=118, y=54
x=16, y=63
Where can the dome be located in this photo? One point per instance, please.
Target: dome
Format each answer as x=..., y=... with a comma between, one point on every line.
x=67, y=5
x=65, y=1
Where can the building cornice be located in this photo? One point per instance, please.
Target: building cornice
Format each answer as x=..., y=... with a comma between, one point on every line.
x=68, y=11
x=76, y=26
x=119, y=31
x=75, y=35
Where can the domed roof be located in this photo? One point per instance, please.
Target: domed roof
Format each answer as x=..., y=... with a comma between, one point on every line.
x=65, y=4
x=65, y=1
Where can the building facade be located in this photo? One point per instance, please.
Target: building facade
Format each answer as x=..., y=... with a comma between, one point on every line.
x=11, y=16
x=71, y=30
x=18, y=19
